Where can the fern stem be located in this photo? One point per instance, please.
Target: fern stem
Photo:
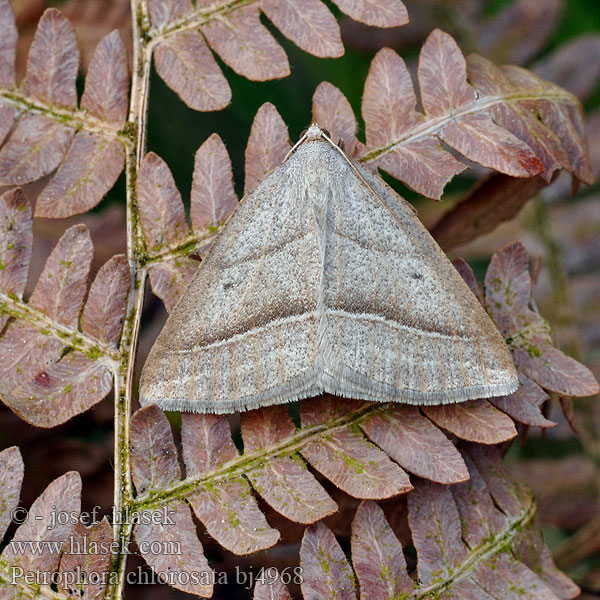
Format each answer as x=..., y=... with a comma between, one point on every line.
x=433, y=126
x=479, y=555
x=193, y=244
x=72, y=337
x=249, y=461
x=196, y=18
x=125, y=378
x=76, y=119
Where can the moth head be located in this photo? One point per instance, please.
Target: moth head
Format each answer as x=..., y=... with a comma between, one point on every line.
x=314, y=132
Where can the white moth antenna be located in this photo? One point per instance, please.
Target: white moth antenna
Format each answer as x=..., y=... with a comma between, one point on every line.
x=302, y=139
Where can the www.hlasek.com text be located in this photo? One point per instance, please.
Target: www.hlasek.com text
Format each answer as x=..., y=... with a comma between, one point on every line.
x=84, y=546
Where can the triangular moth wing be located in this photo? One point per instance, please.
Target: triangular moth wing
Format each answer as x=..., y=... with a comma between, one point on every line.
x=325, y=280
x=401, y=323
x=245, y=330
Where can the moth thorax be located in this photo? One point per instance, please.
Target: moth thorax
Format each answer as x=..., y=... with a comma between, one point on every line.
x=314, y=132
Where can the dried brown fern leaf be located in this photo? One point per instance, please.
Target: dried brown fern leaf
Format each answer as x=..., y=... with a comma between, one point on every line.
x=472, y=540
x=51, y=369
x=44, y=129
x=506, y=119
x=362, y=448
x=507, y=293
x=51, y=547
x=268, y=144
x=508, y=299
x=155, y=466
x=86, y=561
x=180, y=35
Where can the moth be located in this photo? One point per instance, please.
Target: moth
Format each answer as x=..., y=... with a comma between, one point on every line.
x=324, y=280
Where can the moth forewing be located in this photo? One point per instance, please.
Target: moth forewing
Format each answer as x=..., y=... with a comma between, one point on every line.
x=324, y=280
